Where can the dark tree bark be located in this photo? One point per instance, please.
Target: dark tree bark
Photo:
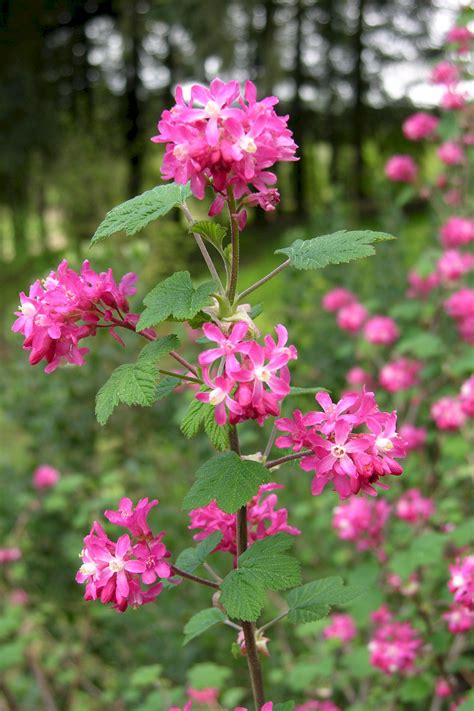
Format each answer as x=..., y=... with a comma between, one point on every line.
x=134, y=147
x=359, y=106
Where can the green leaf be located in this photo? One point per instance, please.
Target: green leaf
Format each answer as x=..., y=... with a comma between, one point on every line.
x=192, y=558
x=285, y=706
x=175, y=298
x=228, y=480
x=421, y=345
x=211, y=231
x=155, y=350
x=146, y=676
x=306, y=391
x=264, y=566
x=207, y=674
x=335, y=248
x=131, y=384
x=201, y=622
x=202, y=414
x=417, y=688
x=166, y=386
x=314, y=600
x=135, y=214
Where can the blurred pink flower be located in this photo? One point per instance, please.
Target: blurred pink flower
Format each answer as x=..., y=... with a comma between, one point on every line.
x=401, y=169
x=419, y=126
x=45, y=476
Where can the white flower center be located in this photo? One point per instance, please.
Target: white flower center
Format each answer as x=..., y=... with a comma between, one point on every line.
x=384, y=444
x=338, y=451
x=88, y=568
x=116, y=565
x=247, y=144
x=180, y=151
x=212, y=109
x=28, y=309
x=216, y=396
x=263, y=374
x=458, y=581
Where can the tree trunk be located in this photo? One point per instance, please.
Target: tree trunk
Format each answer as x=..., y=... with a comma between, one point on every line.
x=134, y=148
x=359, y=107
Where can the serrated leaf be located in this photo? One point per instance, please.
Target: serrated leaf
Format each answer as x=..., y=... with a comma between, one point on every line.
x=264, y=566
x=228, y=480
x=153, y=351
x=202, y=621
x=175, y=298
x=335, y=248
x=218, y=434
x=314, y=600
x=131, y=384
x=192, y=558
x=135, y=214
x=166, y=386
x=193, y=419
x=211, y=231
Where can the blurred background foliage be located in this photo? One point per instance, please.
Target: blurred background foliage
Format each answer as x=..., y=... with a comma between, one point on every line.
x=83, y=85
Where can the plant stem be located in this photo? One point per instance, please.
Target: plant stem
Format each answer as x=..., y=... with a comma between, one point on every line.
x=181, y=377
x=183, y=362
x=287, y=458
x=234, y=235
x=274, y=621
x=248, y=628
x=194, y=578
x=263, y=280
x=200, y=243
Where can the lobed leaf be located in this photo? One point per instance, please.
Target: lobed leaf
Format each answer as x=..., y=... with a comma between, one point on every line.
x=335, y=248
x=211, y=231
x=175, y=298
x=135, y=214
x=192, y=558
x=314, y=600
x=202, y=621
x=155, y=350
x=228, y=480
x=131, y=384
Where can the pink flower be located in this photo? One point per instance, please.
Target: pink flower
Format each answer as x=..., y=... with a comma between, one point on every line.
x=453, y=264
x=351, y=461
x=228, y=346
x=399, y=374
x=231, y=140
x=414, y=508
x=448, y=414
x=9, y=555
x=263, y=519
x=67, y=307
x=208, y=697
x=341, y=627
x=461, y=583
x=465, y=328
x=457, y=231
x=135, y=519
x=420, y=286
x=410, y=588
x=394, y=648
x=461, y=36
x=459, y=618
x=442, y=688
x=414, y=437
x=113, y=571
x=358, y=377
x=452, y=101
x=461, y=304
x=451, y=153
x=337, y=298
x=45, y=477
x=401, y=169
x=362, y=521
x=351, y=318
x=261, y=642
x=466, y=397
x=381, y=330
x=381, y=616
x=219, y=396
x=420, y=126
x=445, y=73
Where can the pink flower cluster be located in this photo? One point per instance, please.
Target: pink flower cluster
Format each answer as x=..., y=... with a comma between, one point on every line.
x=445, y=73
x=419, y=126
x=68, y=306
x=466, y=397
x=44, y=477
x=451, y=153
x=447, y=413
x=350, y=460
x=460, y=616
x=419, y=286
x=263, y=519
x=381, y=330
x=228, y=140
x=454, y=264
x=114, y=570
x=394, y=646
x=336, y=299
x=414, y=508
x=401, y=169
x=414, y=437
x=247, y=381
x=207, y=696
x=341, y=627
x=9, y=555
x=457, y=231
x=399, y=374
x=362, y=521
x=460, y=306
x=461, y=37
